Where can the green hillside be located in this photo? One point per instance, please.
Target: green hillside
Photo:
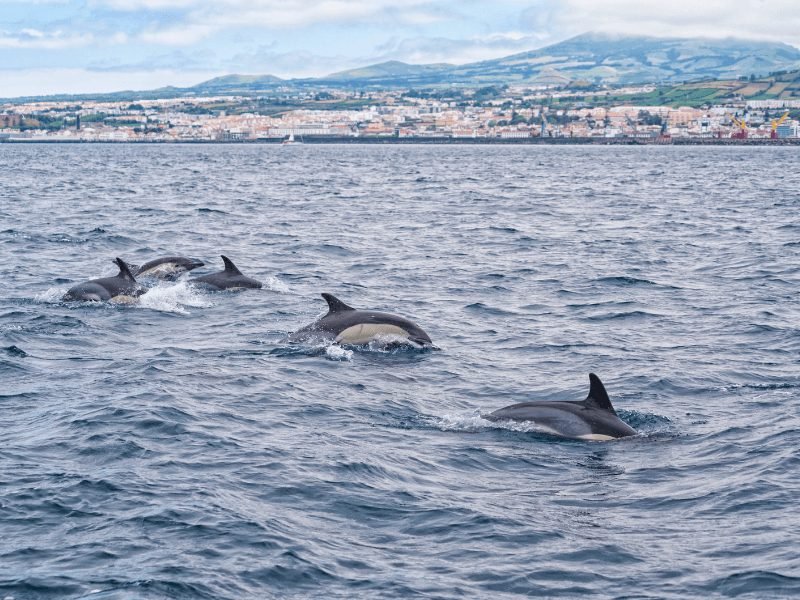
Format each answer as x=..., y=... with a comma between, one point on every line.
x=782, y=85
x=596, y=58
x=610, y=59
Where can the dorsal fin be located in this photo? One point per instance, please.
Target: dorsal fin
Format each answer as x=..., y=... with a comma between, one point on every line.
x=598, y=397
x=124, y=271
x=335, y=305
x=131, y=267
x=229, y=266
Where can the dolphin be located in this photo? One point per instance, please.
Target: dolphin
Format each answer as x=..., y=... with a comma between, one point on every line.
x=229, y=279
x=345, y=325
x=168, y=268
x=591, y=419
x=120, y=288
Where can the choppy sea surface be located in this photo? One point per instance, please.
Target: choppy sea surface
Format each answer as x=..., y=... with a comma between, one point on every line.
x=182, y=448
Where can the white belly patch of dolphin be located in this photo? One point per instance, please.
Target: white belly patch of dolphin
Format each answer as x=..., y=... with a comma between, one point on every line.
x=363, y=333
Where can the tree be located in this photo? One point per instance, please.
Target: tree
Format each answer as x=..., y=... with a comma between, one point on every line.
x=648, y=118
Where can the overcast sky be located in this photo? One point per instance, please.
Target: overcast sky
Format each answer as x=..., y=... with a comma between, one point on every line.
x=52, y=46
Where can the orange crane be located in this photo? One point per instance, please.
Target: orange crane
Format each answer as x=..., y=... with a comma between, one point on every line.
x=775, y=123
x=742, y=133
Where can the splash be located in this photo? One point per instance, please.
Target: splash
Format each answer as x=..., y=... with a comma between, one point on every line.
x=50, y=296
x=336, y=352
x=473, y=422
x=645, y=423
x=174, y=298
x=276, y=285
x=390, y=343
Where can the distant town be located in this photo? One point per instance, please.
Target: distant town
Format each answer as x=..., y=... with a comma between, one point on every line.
x=494, y=113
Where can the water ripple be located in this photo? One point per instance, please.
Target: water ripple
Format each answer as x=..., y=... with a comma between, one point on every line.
x=182, y=448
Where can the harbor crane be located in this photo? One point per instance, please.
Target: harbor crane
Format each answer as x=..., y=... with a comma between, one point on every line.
x=740, y=123
x=775, y=123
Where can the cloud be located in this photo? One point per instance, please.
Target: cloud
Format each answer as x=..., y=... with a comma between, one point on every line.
x=776, y=20
x=202, y=19
x=136, y=5
x=36, y=39
x=267, y=60
x=298, y=38
x=435, y=50
x=184, y=35
x=538, y=22
x=82, y=81
x=178, y=60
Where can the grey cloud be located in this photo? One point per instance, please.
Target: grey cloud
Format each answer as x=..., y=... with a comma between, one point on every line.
x=435, y=50
x=267, y=60
x=201, y=60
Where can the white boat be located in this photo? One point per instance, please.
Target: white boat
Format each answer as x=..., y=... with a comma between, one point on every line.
x=290, y=140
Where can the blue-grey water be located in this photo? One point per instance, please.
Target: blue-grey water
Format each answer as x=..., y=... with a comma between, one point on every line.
x=182, y=448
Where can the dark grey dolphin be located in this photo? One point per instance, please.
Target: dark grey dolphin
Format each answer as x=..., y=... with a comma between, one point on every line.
x=165, y=267
x=229, y=279
x=346, y=325
x=591, y=419
x=120, y=288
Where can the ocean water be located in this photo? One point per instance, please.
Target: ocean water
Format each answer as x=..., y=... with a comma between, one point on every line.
x=181, y=448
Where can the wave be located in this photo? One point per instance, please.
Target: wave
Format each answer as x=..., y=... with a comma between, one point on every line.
x=174, y=298
x=646, y=424
x=274, y=284
x=632, y=314
x=759, y=584
x=486, y=309
x=626, y=281
x=330, y=351
x=51, y=295
x=15, y=351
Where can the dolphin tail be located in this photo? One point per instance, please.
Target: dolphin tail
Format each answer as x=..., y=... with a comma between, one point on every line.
x=598, y=397
x=229, y=266
x=124, y=270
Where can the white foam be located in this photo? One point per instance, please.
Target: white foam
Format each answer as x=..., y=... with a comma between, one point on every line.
x=470, y=422
x=386, y=341
x=276, y=285
x=474, y=422
x=336, y=352
x=174, y=298
x=51, y=295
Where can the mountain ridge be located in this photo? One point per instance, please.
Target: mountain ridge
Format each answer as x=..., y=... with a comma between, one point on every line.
x=592, y=57
x=596, y=57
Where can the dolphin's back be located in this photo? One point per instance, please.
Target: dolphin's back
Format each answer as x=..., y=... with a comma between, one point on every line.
x=345, y=325
x=91, y=291
x=590, y=419
x=228, y=279
x=168, y=267
x=107, y=288
x=224, y=281
x=361, y=327
x=100, y=290
x=559, y=418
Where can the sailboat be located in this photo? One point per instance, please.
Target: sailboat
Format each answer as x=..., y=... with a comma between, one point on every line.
x=290, y=140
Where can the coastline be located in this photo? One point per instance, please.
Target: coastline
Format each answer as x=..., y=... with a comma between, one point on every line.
x=628, y=141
